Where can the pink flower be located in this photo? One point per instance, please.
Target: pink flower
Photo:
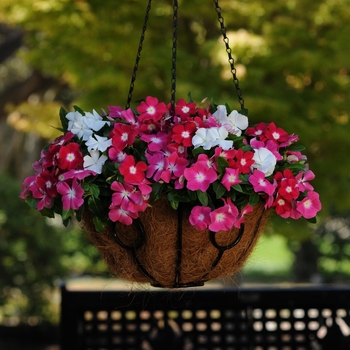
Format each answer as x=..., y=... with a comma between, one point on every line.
x=125, y=195
x=72, y=197
x=117, y=213
x=222, y=219
x=115, y=111
x=230, y=178
x=156, y=142
x=28, y=186
x=302, y=180
x=134, y=173
x=310, y=205
x=47, y=183
x=200, y=176
x=200, y=217
x=175, y=167
x=151, y=109
x=260, y=184
x=240, y=219
x=157, y=164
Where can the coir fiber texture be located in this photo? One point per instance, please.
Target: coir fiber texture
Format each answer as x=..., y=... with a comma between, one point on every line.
x=157, y=251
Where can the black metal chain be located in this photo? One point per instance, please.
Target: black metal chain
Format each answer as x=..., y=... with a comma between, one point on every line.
x=138, y=56
x=174, y=56
x=229, y=54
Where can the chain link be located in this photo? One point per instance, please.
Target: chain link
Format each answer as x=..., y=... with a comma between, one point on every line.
x=174, y=56
x=138, y=56
x=229, y=54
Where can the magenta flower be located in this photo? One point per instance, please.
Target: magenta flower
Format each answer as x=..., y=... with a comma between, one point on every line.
x=310, y=205
x=200, y=176
x=126, y=196
x=230, y=178
x=302, y=180
x=156, y=142
x=200, y=217
x=72, y=196
x=260, y=183
x=175, y=167
x=117, y=213
x=222, y=219
x=157, y=164
x=115, y=111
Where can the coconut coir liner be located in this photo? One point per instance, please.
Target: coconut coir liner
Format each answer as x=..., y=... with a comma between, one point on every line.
x=158, y=252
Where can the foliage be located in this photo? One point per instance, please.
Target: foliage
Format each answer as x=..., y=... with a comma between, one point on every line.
x=34, y=257
x=291, y=58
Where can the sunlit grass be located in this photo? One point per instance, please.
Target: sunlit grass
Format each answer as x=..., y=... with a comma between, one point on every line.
x=271, y=256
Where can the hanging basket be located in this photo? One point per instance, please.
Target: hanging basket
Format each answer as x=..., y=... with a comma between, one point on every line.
x=163, y=249
x=219, y=174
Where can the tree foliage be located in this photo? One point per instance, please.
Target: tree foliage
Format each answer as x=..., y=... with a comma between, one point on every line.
x=291, y=59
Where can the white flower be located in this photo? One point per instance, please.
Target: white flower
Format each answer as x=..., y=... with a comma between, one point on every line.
x=97, y=142
x=94, y=121
x=94, y=162
x=211, y=137
x=265, y=161
x=78, y=126
x=238, y=122
x=234, y=123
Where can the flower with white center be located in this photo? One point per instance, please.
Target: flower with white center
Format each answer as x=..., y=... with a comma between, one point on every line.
x=234, y=123
x=94, y=161
x=99, y=143
x=264, y=160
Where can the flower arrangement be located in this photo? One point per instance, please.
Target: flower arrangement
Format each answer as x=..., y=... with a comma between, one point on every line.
x=116, y=164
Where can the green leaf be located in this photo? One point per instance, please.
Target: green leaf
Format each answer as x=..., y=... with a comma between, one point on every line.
x=237, y=188
x=312, y=220
x=190, y=97
x=157, y=190
x=66, y=214
x=203, y=198
x=99, y=226
x=49, y=213
x=174, y=204
x=78, y=109
x=244, y=111
x=32, y=202
x=64, y=120
x=296, y=148
x=222, y=164
x=95, y=205
x=92, y=188
x=254, y=199
x=197, y=151
x=218, y=189
x=178, y=196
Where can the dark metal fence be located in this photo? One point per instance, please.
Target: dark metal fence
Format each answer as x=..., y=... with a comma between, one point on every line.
x=231, y=319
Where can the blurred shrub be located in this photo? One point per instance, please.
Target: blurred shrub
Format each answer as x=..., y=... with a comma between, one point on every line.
x=35, y=254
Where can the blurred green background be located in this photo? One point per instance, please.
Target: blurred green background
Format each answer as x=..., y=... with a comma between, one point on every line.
x=292, y=60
